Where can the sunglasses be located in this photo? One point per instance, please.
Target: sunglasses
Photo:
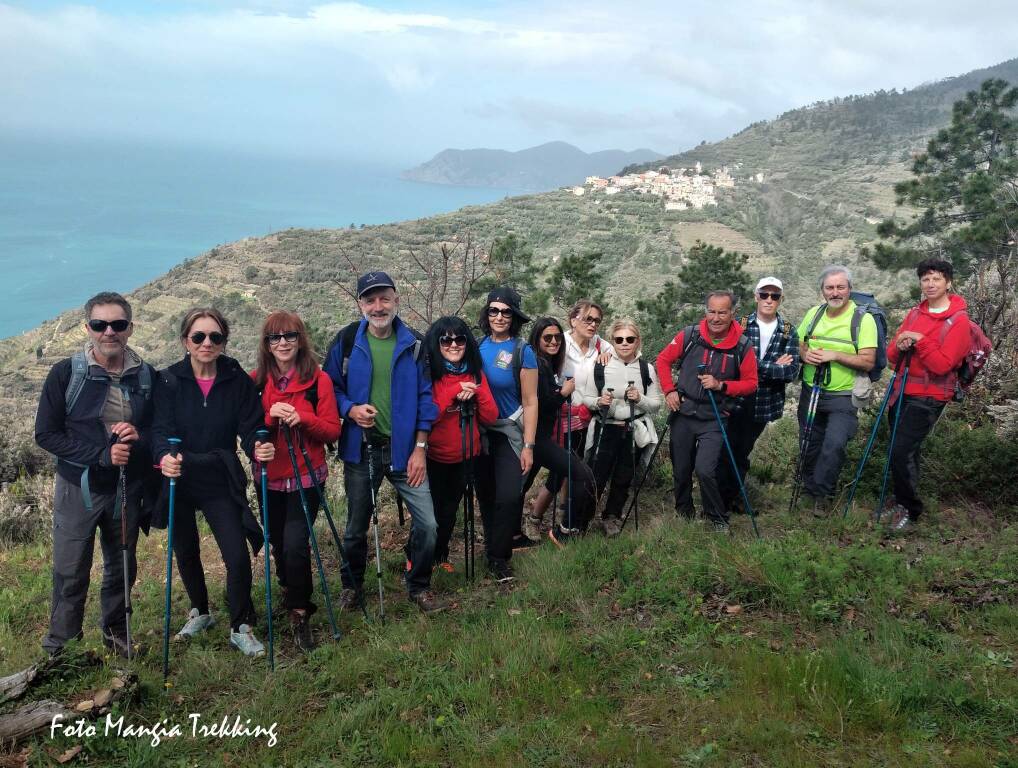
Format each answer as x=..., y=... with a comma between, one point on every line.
x=766, y=295
x=453, y=341
x=274, y=338
x=198, y=337
x=496, y=311
x=590, y=320
x=552, y=338
x=625, y=339
x=100, y=326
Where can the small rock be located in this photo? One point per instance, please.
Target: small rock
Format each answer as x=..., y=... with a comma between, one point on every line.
x=70, y=754
x=102, y=698
x=84, y=706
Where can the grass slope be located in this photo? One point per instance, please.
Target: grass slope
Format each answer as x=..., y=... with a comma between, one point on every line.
x=824, y=643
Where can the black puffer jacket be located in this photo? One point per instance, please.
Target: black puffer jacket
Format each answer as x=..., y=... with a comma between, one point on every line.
x=207, y=427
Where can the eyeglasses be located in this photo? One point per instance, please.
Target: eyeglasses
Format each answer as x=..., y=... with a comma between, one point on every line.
x=626, y=339
x=496, y=311
x=590, y=320
x=453, y=341
x=198, y=337
x=273, y=338
x=100, y=326
x=552, y=338
x=766, y=295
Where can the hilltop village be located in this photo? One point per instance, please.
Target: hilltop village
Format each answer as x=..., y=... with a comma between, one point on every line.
x=682, y=188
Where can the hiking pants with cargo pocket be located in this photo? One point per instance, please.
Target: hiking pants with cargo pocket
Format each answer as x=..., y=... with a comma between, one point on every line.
x=696, y=445
x=835, y=424
x=916, y=422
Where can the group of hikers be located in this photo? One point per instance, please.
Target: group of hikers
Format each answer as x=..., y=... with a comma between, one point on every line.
x=443, y=417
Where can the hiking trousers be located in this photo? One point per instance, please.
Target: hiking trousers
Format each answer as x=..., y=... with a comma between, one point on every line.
x=420, y=549
x=835, y=423
x=743, y=432
x=291, y=545
x=614, y=465
x=917, y=420
x=74, y=530
x=557, y=460
x=499, y=495
x=696, y=445
x=448, y=482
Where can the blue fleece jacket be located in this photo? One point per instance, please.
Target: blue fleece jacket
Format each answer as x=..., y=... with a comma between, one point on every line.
x=413, y=408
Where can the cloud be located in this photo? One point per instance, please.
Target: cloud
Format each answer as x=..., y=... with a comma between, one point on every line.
x=350, y=77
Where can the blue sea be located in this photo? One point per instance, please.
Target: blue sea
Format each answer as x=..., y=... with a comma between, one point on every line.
x=78, y=218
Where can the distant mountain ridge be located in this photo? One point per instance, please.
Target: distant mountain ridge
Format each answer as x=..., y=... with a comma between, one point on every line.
x=540, y=168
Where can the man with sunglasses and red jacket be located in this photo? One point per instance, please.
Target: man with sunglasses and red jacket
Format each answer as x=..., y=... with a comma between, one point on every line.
x=714, y=356
x=95, y=416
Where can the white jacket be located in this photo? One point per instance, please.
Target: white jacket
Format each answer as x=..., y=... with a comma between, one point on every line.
x=616, y=376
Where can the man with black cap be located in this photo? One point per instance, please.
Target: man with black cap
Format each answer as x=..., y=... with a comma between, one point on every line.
x=384, y=396
x=776, y=344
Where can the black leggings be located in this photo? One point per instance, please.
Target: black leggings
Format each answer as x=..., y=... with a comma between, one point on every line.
x=447, y=482
x=500, y=496
x=579, y=439
x=224, y=518
x=556, y=459
x=615, y=464
x=291, y=547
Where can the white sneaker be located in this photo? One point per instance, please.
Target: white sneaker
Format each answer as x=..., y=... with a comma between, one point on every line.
x=196, y=622
x=245, y=642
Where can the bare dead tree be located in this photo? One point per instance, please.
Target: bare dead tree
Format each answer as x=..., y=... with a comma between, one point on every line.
x=439, y=279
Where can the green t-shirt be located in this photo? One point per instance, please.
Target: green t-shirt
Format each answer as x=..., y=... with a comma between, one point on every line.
x=381, y=381
x=836, y=333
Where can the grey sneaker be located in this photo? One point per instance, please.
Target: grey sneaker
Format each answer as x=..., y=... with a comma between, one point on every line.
x=349, y=599
x=721, y=528
x=245, y=641
x=196, y=622
x=428, y=602
x=612, y=527
x=901, y=522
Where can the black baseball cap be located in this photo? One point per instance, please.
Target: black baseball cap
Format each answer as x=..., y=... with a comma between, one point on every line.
x=507, y=295
x=373, y=280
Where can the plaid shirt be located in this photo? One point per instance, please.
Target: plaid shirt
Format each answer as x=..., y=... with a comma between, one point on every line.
x=768, y=403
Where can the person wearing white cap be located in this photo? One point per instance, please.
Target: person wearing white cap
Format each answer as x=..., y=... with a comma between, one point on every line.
x=776, y=344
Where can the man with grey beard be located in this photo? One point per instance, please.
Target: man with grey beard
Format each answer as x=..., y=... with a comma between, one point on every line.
x=384, y=396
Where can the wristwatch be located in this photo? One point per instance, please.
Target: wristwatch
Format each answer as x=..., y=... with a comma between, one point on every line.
x=531, y=446
x=420, y=444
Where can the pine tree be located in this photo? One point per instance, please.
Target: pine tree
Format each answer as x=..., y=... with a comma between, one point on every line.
x=577, y=276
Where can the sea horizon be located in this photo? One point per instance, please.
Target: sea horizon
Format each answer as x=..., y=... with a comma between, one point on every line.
x=81, y=217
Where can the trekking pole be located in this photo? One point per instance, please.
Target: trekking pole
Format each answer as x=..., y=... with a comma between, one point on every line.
x=262, y=435
x=569, y=462
x=804, y=438
x=633, y=504
x=174, y=448
x=731, y=455
x=343, y=562
x=600, y=432
x=873, y=437
x=336, y=635
x=894, y=432
x=374, y=522
x=122, y=483
x=632, y=442
x=466, y=443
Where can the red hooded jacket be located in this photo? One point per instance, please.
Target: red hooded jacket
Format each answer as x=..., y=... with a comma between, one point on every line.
x=933, y=369
x=319, y=427
x=747, y=382
x=445, y=443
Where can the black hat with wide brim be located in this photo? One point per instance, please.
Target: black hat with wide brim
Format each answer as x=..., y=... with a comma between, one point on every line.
x=507, y=295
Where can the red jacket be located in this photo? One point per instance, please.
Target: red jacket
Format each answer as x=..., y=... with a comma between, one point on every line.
x=932, y=370
x=445, y=444
x=747, y=382
x=318, y=427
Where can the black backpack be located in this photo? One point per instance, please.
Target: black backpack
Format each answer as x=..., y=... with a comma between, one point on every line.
x=80, y=374
x=866, y=304
x=644, y=375
x=348, y=336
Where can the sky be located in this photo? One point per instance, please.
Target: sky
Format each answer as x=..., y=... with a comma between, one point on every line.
x=400, y=81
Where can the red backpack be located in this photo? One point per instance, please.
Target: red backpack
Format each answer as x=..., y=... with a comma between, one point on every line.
x=957, y=382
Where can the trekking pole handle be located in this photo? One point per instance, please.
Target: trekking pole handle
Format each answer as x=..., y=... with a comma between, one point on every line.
x=174, y=446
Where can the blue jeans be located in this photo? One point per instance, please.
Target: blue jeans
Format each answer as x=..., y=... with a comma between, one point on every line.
x=423, y=528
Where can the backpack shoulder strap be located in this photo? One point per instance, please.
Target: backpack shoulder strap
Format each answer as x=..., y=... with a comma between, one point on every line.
x=857, y=317
x=815, y=321
x=145, y=381
x=347, y=337
x=645, y=374
x=79, y=373
x=742, y=347
x=517, y=365
x=598, y=378
x=744, y=322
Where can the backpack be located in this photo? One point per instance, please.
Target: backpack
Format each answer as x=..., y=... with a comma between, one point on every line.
x=80, y=374
x=785, y=329
x=866, y=304
x=348, y=336
x=960, y=379
x=644, y=375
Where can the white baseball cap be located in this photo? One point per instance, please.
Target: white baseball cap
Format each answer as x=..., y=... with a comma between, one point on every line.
x=765, y=281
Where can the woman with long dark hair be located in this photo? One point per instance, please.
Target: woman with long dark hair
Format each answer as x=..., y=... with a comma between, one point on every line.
x=457, y=385
x=553, y=389
x=207, y=401
x=510, y=366
x=296, y=393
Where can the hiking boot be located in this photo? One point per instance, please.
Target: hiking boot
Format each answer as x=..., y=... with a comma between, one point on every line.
x=522, y=541
x=349, y=599
x=118, y=645
x=427, y=602
x=559, y=536
x=612, y=527
x=446, y=566
x=196, y=622
x=901, y=522
x=245, y=641
x=821, y=508
x=721, y=528
x=301, y=626
x=501, y=571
